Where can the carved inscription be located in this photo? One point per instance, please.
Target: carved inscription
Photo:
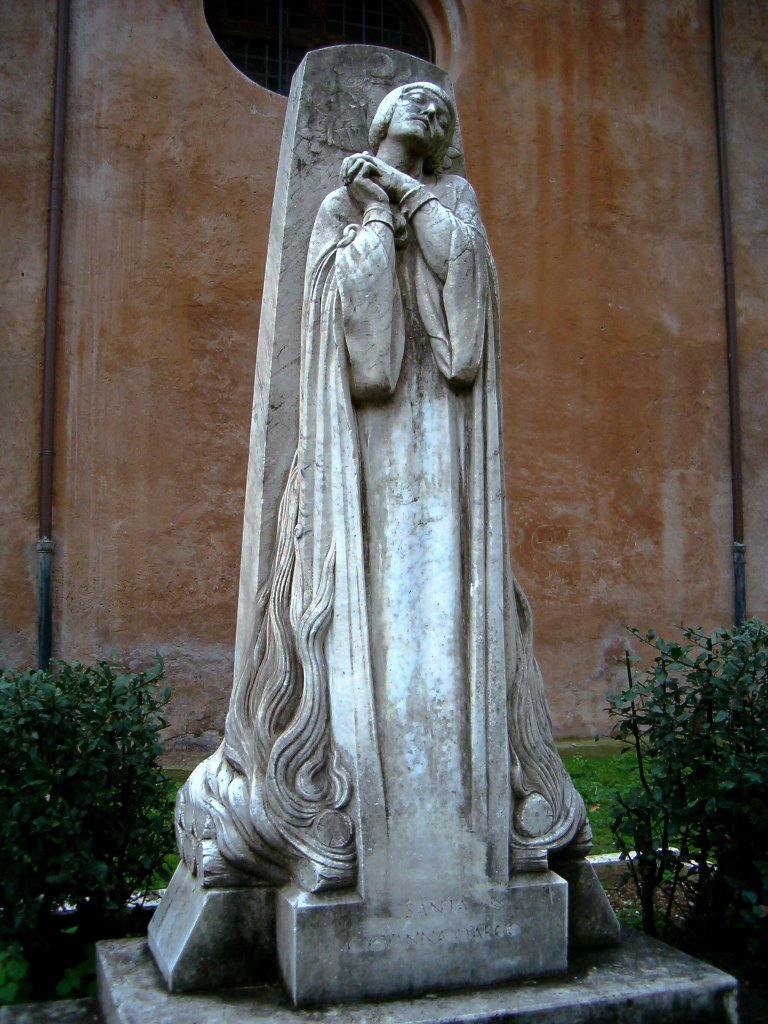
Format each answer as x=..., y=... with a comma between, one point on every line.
x=407, y=938
x=448, y=921
x=428, y=908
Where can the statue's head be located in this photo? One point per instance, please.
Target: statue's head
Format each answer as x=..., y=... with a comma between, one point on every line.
x=423, y=109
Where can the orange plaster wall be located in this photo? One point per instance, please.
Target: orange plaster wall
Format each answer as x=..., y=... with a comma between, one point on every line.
x=746, y=28
x=590, y=141
x=600, y=195
x=26, y=80
x=169, y=194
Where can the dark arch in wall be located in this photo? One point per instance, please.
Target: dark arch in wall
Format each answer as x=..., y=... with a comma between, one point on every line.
x=267, y=39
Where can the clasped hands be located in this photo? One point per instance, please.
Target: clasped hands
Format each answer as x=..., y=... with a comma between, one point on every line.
x=371, y=180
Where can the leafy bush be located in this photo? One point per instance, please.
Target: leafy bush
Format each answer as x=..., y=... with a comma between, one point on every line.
x=697, y=721
x=83, y=805
x=14, y=968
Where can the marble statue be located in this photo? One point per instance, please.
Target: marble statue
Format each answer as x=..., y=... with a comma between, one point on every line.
x=388, y=738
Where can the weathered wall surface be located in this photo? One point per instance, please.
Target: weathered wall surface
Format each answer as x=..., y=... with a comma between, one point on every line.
x=589, y=132
x=601, y=199
x=746, y=28
x=26, y=102
x=169, y=187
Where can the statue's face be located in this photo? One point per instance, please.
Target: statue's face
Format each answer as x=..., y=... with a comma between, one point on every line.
x=421, y=119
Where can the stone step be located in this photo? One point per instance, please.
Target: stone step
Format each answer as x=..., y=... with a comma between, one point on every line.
x=642, y=981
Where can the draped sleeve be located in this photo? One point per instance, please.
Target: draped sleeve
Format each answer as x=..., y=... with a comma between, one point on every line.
x=454, y=310
x=370, y=306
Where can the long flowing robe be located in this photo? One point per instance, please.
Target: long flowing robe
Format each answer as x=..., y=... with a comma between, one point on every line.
x=392, y=716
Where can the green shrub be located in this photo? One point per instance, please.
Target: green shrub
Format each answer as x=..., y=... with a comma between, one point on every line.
x=697, y=721
x=14, y=971
x=83, y=805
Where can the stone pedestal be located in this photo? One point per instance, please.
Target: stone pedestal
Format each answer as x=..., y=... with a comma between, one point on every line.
x=592, y=923
x=336, y=946
x=213, y=938
x=340, y=948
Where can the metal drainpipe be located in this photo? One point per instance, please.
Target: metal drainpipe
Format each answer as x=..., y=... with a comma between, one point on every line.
x=45, y=543
x=732, y=344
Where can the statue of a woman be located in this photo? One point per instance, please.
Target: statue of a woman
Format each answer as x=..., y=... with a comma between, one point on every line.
x=390, y=720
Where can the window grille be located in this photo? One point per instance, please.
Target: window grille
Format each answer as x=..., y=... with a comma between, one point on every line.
x=267, y=39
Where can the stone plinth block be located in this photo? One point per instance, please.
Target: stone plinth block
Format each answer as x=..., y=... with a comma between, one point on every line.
x=340, y=948
x=591, y=920
x=212, y=938
x=640, y=982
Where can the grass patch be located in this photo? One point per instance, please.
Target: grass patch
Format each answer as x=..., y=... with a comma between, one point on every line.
x=598, y=777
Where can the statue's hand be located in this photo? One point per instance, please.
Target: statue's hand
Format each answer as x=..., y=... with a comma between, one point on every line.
x=357, y=174
x=394, y=182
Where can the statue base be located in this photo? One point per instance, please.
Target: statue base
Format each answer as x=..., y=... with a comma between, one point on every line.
x=339, y=948
x=336, y=946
